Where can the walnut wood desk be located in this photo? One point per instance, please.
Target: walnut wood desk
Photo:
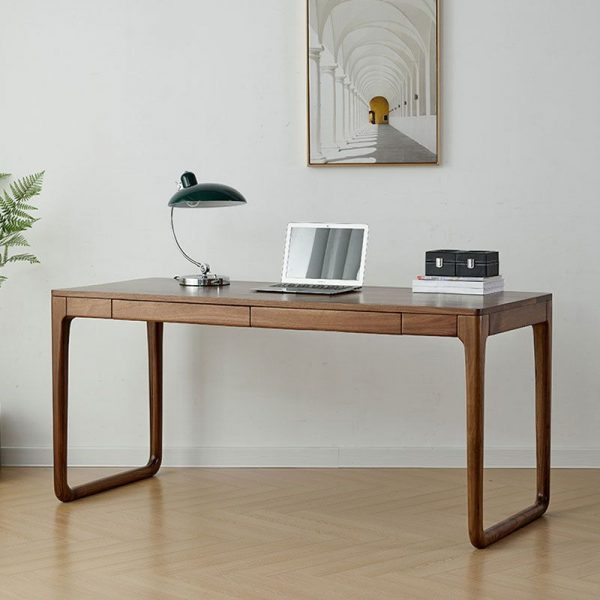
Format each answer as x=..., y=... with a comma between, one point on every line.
x=375, y=310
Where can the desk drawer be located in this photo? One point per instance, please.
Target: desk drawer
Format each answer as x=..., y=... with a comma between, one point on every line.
x=97, y=308
x=439, y=325
x=179, y=312
x=327, y=320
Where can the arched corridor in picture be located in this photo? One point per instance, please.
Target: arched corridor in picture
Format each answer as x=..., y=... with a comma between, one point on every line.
x=372, y=81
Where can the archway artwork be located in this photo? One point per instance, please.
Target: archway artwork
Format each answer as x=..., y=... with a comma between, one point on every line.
x=373, y=83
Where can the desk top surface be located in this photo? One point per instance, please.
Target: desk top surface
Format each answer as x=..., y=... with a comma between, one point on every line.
x=242, y=293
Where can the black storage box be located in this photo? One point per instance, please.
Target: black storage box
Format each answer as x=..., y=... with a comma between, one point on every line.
x=441, y=263
x=462, y=263
x=478, y=263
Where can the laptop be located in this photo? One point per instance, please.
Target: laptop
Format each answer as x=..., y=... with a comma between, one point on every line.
x=322, y=258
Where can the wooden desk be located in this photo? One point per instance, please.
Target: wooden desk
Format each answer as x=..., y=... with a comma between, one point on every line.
x=376, y=310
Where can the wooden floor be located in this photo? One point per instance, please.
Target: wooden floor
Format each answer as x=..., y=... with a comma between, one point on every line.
x=305, y=534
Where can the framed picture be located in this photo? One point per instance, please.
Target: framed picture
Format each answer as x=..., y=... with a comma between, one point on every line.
x=373, y=82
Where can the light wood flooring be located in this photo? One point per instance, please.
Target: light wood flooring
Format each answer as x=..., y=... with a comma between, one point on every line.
x=297, y=534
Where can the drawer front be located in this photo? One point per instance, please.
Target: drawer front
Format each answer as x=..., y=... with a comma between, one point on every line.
x=179, y=312
x=89, y=307
x=439, y=325
x=327, y=320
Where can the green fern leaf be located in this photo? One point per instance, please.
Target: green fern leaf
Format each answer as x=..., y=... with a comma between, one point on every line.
x=21, y=214
x=27, y=187
x=16, y=217
x=29, y=258
x=4, y=175
x=14, y=240
x=27, y=207
x=6, y=203
x=16, y=225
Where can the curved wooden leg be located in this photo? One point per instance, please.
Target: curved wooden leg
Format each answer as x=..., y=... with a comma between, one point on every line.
x=61, y=325
x=542, y=336
x=473, y=332
x=60, y=364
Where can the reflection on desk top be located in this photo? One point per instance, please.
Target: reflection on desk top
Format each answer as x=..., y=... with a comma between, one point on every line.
x=242, y=293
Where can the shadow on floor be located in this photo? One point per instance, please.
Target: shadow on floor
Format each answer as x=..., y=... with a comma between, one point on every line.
x=384, y=145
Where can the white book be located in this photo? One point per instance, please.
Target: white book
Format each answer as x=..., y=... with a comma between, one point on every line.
x=433, y=283
x=465, y=291
x=455, y=290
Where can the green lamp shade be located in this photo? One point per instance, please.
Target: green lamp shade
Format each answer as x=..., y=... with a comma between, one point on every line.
x=204, y=195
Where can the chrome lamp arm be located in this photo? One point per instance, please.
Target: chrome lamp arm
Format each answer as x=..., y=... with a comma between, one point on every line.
x=204, y=267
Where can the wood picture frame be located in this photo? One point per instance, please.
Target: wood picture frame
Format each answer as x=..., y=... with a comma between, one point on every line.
x=373, y=82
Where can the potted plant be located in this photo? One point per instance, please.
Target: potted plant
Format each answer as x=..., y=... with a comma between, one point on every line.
x=16, y=217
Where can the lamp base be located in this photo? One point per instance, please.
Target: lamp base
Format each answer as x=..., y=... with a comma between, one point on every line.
x=207, y=280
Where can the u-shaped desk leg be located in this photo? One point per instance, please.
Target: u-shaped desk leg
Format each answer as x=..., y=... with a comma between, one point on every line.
x=61, y=323
x=473, y=332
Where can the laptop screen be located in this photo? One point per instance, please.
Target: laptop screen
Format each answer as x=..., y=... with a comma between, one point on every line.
x=325, y=253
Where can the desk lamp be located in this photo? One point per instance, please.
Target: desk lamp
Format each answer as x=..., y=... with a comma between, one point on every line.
x=202, y=195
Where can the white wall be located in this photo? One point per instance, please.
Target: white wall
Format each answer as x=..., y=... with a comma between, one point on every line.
x=115, y=98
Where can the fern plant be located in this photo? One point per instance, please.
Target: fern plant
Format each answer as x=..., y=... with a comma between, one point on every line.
x=16, y=217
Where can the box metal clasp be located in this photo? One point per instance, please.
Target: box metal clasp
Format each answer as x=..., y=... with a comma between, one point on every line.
x=439, y=263
x=470, y=263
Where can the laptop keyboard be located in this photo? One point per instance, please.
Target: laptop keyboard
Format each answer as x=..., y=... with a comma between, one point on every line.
x=311, y=286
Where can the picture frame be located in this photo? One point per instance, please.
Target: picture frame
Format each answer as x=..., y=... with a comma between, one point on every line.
x=373, y=82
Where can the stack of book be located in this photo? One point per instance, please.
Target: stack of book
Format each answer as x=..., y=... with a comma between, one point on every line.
x=476, y=286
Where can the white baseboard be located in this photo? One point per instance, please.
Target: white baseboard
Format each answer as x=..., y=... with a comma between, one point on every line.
x=441, y=457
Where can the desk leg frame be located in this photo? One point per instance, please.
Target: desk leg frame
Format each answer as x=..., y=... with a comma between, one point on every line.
x=473, y=332
x=61, y=324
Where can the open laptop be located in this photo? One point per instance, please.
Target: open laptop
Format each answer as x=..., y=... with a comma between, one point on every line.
x=322, y=258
